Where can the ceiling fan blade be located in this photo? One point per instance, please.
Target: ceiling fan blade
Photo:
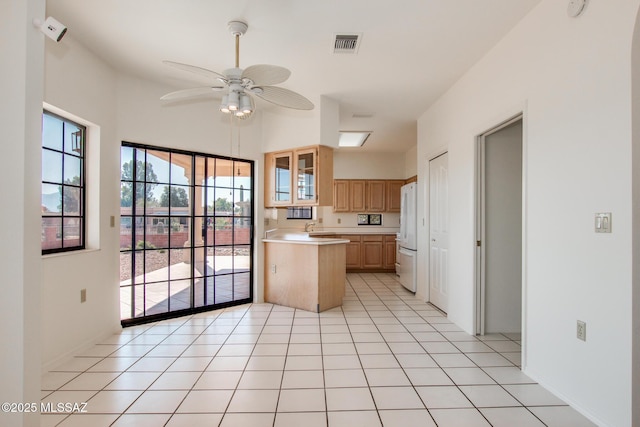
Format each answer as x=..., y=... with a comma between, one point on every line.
x=282, y=97
x=189, y=93
x=196, y=70
x=263, y=74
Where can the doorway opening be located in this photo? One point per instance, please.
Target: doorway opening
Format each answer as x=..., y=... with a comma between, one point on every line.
x=499, y=219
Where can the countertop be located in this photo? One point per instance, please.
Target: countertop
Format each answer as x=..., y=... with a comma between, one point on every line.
x=302, y=238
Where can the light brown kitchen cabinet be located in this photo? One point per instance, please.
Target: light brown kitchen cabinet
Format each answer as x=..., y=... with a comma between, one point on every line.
x=363, y=196
x=299, y=177
x=375, y=201
x=372, y=251
x=394, y=195
x=389, y=252
x=353, y=251
x=278, y=178
x=357, y=196
x=341, y=195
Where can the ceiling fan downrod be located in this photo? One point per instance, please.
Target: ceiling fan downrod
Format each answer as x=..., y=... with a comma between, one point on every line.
x=237, y=28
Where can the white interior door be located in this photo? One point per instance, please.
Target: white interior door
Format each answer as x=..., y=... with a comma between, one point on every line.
x=439, y=232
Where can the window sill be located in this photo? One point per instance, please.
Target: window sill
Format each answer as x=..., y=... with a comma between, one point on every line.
x=69, y=253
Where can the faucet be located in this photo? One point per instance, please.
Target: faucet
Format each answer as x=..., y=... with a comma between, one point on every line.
x=309, y=225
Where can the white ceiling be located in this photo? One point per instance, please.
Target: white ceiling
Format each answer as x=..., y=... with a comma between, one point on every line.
x=411, y=51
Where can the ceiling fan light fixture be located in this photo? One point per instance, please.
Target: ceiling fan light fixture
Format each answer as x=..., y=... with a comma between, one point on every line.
x=245, y=104
x=233, y=101
x=224, y=105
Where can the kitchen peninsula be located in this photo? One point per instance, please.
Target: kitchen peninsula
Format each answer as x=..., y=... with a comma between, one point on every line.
x=305, y=272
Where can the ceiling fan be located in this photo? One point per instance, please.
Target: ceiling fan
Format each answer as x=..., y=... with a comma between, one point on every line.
x=240, y=86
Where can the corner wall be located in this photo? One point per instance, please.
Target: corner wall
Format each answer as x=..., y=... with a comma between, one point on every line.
x=572, y=81
x=635, y=333
x=21, y=51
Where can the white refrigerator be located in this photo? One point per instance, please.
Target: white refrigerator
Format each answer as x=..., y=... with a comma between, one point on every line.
x=406, y=260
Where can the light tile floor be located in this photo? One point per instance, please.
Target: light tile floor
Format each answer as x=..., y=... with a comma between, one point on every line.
x=383, y=358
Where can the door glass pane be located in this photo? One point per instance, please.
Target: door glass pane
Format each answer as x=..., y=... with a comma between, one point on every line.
x=241, y=231
x=306, y=177
x=242, y=203
x=156, y=265
x=180, y=169
x=125, y=236
x=180, y=231
x=223, y=204
x=241, y=285
x=180, y=200
x=180, y=294
x=283, y=179
x=156, y=298
x=223, y=173
x=140, y=166
x=158, y=167
x=180, y=264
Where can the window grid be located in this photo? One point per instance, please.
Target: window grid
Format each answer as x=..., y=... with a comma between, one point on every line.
x=63, y=185
x=161, y=218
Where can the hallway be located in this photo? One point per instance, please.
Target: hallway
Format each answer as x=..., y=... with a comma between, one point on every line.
x=384, y=358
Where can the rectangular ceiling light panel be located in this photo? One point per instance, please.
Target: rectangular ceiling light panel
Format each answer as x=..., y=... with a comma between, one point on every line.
x=352, y=139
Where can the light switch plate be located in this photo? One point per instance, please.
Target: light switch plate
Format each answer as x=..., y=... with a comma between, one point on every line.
x=581, y=330
x=603, y=222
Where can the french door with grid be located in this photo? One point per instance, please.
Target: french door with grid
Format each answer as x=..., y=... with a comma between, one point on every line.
x=185, y=232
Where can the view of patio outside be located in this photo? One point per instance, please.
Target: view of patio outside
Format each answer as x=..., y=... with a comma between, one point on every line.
x=185, y=231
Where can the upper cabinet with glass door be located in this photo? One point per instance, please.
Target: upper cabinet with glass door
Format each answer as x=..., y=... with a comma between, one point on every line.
x=299, y=177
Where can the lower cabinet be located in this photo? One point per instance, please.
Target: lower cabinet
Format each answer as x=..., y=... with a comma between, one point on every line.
x=370, y=252
x=389, y=252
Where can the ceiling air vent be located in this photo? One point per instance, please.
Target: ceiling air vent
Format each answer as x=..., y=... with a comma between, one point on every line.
x=346, y=43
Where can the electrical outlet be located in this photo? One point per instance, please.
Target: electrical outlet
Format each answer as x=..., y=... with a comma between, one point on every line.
x=83, y=295
x=339, y=220
x=273, y=268
x=112, y=221
x=581, y=330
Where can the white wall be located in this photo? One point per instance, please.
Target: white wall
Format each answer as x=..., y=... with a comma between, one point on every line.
x=571, y=77
x=21, y=54
x=411, y=162
x=635, y=391
x=353, y=165
x=78, y=83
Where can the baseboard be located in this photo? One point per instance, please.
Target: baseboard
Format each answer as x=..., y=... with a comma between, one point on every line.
x=67, y=356
x=585, y=412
